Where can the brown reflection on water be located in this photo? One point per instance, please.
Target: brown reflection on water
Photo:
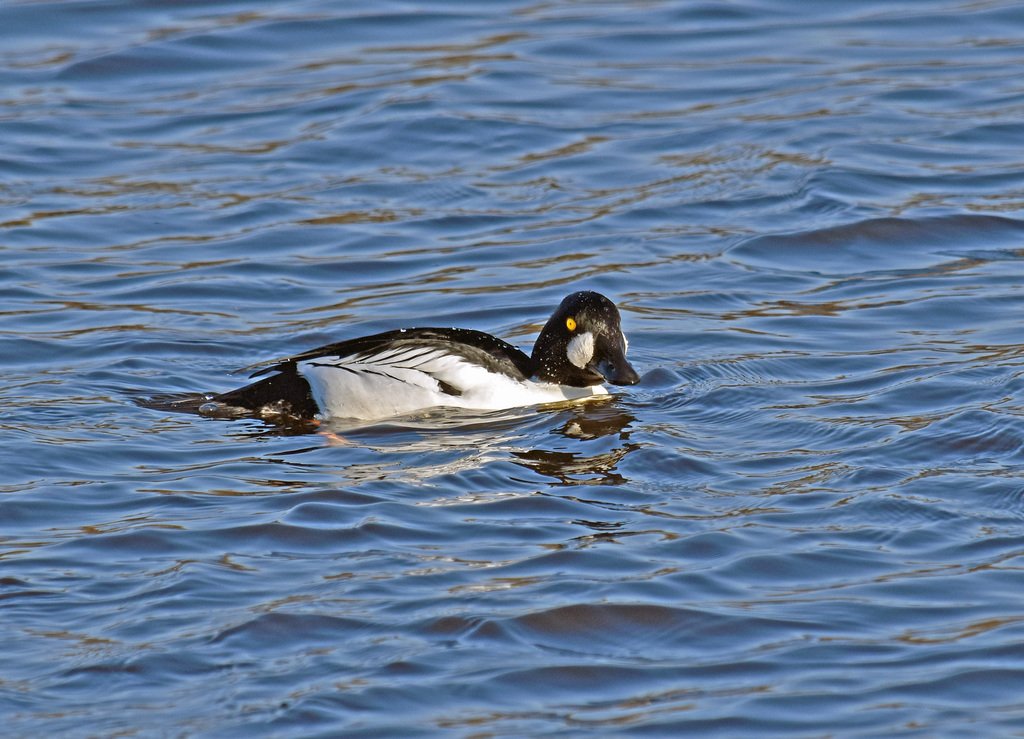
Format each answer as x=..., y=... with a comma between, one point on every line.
x=967, y=631
x=455, y=48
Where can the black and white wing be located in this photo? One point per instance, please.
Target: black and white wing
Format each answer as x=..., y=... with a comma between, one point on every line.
x=384, y=374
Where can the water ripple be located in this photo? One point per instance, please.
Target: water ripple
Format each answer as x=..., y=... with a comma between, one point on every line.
x=806, y=518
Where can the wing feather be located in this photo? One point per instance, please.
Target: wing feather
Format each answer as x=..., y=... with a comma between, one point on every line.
x=416, y=349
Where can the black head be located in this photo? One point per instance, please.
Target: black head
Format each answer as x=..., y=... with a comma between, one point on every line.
x=582, y=344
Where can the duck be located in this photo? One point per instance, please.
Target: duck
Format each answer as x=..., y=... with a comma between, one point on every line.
x=409, y=370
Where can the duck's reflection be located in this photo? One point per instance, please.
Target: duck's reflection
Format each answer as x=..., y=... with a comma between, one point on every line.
x=597, y=419
x=588, y=441
x=590, y=422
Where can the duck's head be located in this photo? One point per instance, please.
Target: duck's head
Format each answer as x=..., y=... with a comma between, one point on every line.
x=582, y=344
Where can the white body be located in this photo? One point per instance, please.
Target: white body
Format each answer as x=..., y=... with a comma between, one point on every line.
x=395, y=382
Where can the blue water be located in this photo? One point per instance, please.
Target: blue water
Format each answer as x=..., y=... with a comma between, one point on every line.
x=806, y=520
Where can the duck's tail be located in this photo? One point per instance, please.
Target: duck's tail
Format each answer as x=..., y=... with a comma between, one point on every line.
x=283, y=394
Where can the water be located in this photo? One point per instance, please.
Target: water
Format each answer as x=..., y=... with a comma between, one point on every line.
x=805, y=521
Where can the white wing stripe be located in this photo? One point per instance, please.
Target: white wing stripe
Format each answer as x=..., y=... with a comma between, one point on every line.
x=405, y=356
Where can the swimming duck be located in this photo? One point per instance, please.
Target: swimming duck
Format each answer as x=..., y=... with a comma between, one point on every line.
x=407, y=370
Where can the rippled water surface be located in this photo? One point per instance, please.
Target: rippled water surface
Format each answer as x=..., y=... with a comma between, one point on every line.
x=806, y=520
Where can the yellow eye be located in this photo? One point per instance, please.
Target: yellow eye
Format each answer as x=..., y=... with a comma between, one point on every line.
x=570, y=323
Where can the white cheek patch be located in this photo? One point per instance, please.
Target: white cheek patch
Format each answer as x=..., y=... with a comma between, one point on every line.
x=581, y=349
